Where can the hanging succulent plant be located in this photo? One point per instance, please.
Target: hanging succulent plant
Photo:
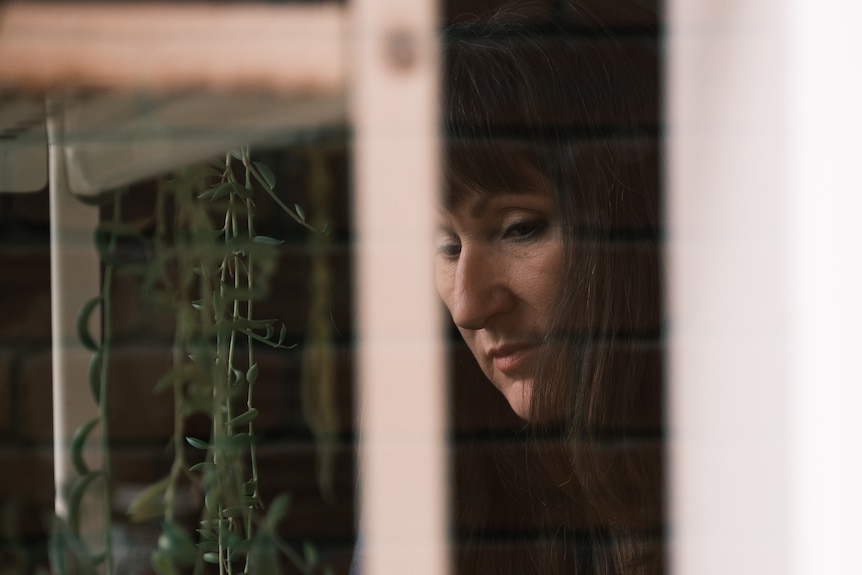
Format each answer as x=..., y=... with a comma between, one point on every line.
x=208, y=266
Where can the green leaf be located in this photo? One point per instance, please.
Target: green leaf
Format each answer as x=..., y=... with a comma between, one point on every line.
x=264, y=556
x=83, y=323
x=207, y=546
x=239, y=550
x=162, y=564
x=282, y=334
x=270, y=343
x=277, y=510
x=243, y=323
x=177, y=544
x=234, y=512
x=249, y=487
x=212, y=499
x=149, y=503
x=94, y=376
x=210, y=523
x=251, y=374
x=202, y=466
x=220, y=191
x=245, y=418
x=242, y=191
x=230, y=293
x=229, y=537
x=166, y=381
x=224, y=189
x=211, y=557
x=267, y=241
x=76, y=446
x=310, y=554
x=76, y=494
x=197, y=443
x=266, y=174
x=208, y=534
x=299, y=212
x=238, y=376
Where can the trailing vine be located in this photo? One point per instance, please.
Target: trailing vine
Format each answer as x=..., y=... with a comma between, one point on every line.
x=208, y=266
x=65, y=542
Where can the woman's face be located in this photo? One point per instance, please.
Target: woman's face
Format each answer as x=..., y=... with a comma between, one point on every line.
x=498, y=266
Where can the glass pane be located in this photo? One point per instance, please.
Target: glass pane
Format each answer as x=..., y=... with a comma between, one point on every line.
x=555, y=104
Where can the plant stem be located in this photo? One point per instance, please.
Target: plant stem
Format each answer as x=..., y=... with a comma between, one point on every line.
x=249, y=316
x=107, y=335
x=180, y=340
x=290, y=212
x=221, y=395
x=235, y=312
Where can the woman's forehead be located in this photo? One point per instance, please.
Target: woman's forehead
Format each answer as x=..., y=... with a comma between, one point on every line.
x=484, y=169
x=475, y=212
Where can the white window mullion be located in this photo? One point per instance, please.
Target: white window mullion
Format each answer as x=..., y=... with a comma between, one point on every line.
x=729, y=480
x=825, y=240
x=401, y=387
x=764, y=282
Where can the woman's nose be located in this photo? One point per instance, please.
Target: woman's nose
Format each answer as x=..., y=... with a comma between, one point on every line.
x=481, y=290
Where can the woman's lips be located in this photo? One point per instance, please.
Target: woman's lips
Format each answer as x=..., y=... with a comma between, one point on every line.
x=508, y=358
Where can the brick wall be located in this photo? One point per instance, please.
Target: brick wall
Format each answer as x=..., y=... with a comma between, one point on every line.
x=26, y=456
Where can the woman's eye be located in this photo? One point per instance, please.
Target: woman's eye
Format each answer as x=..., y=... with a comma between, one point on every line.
x=449, y=249
x=523, y=230
x=448, y=243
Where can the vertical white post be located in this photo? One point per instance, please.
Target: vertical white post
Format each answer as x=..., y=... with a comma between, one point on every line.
x=765, y=280
x=401, y=389
x=824, y=197
x=75, y=278
x=728, y=316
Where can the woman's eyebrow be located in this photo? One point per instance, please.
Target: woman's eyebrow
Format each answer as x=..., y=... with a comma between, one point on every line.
x=481, y=206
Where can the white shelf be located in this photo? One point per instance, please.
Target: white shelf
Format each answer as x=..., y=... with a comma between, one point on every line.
x=140, y=89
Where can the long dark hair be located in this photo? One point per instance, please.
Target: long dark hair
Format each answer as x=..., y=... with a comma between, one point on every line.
x=576, y=112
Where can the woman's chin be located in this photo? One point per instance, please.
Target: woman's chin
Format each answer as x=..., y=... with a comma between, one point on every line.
x=518, y=396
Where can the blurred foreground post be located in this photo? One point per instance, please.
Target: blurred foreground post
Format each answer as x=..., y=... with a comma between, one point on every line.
x=764, y=286
x=401, y=388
